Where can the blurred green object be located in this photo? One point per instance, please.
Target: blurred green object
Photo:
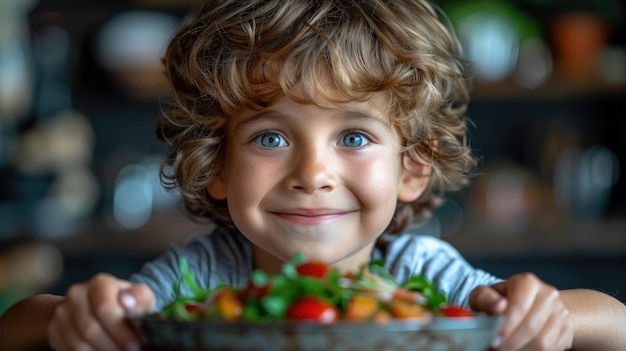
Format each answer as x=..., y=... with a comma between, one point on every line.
x=525, y=25
x=492, y=34
x=10, y=295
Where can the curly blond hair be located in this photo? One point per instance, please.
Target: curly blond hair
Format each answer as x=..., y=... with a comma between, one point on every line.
x=236, y=54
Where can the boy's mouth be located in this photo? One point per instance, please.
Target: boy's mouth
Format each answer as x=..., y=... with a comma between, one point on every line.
x=309, y=216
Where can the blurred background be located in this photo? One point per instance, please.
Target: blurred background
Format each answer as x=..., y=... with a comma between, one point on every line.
x=81, y=90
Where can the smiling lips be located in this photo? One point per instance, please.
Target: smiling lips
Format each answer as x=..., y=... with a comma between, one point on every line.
x=311, y=216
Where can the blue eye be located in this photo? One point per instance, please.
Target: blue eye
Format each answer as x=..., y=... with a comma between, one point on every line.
x=354, y=140
x=270, y=140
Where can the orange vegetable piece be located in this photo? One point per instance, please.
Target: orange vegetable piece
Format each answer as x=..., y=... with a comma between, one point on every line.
x=360, y=307
x=401, y=308
x=404, y=294
x=228, y=304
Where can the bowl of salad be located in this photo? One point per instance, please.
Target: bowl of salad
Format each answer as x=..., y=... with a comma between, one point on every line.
x=312, y=306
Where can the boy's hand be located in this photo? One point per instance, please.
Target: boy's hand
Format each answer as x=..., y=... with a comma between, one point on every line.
x=535, y=318
x=92, y=315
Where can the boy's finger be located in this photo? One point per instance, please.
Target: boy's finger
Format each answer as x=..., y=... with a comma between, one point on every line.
x=532, y=328
x=521, y=292
x=91, y=334
x=110, y=313
x=487, y=299
x=541, y=322
x=137, y=300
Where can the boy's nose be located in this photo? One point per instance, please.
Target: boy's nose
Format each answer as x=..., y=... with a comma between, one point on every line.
x=313, y=171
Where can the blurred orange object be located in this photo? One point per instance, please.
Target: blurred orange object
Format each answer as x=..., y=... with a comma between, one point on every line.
x=578, y=39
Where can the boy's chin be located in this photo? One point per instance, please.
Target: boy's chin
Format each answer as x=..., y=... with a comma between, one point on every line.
x=344, y=261
x=270, y=258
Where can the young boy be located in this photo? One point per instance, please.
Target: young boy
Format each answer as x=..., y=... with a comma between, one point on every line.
x=322, y=127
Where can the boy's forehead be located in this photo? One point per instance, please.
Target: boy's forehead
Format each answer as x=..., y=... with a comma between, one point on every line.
x=372, y=106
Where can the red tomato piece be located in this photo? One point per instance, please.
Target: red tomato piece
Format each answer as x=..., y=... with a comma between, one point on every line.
x=312, y=308
x=313, y=269
x=455, y=311
x=255, y=291
x=193, y=308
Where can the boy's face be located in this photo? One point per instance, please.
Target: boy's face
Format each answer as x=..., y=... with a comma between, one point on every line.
x=324, y=181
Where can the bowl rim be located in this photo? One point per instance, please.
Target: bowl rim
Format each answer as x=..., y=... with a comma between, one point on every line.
x=478, y=322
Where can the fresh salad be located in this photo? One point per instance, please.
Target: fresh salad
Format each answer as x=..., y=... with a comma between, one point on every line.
x=313, y=291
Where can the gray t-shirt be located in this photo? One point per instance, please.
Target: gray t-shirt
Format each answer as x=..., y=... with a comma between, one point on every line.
x=226, y=257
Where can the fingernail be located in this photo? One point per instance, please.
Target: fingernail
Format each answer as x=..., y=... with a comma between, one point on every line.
x=501, y=305
x=132, y=346
x=128, y=301
x=496, y=342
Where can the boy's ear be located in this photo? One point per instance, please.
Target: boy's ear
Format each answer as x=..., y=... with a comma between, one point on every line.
x=217, y=187
x=413, y=179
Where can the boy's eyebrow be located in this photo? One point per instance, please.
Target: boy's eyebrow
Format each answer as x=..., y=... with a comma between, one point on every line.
x=359, y=114
x=366, y=116
x=254, y=117
x=355, y=114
